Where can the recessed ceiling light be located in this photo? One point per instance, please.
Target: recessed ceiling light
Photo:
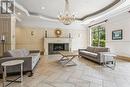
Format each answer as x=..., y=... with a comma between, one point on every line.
x=19, y=13
x=40, y=16
x=42, y=8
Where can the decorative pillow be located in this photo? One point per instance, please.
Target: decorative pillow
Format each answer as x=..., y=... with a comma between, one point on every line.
x=16, y=53
x=25, y=52
x=90, y=49
x=7, y=54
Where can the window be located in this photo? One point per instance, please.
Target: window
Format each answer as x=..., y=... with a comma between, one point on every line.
x=98, y=36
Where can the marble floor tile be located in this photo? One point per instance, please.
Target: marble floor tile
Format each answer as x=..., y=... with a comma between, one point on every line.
x=49, y=73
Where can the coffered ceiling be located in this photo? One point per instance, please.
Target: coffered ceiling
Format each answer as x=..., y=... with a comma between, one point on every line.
x=82, y=8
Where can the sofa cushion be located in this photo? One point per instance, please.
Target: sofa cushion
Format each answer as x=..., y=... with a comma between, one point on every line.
x=89, y=53
x=35, y=58
x=25, y=52
x=100, y=49
x=7, y=54
x=90, y=49
x=16, y=53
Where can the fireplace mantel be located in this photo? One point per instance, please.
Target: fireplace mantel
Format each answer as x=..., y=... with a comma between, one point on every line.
x=56, y=40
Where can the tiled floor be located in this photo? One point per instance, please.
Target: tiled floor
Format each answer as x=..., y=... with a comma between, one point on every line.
x=49, y=73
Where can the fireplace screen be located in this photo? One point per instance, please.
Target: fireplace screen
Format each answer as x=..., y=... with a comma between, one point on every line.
x=55, y=47
x=58, y=47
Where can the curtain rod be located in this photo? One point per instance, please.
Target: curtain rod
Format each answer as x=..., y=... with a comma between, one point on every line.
x=98, y=23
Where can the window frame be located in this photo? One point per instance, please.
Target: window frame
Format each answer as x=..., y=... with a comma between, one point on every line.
x=99, y=39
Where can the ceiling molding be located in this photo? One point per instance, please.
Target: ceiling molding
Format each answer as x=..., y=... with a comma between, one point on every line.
x=84, y=17
x=124, y=7
x=47, y=18
x=101, y=10
x=20, y=7
x=89, y=15
x=17, y=18
x=98, y=23
x=42, y=17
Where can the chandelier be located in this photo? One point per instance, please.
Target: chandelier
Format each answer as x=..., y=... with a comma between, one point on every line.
x=66, y=17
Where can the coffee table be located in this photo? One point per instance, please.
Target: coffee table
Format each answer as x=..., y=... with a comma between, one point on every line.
x=67, y=57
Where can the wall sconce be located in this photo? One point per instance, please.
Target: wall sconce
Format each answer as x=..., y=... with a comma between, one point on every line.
x=2, y=38
x=3, y=42
x=69, y=35
x=45, y=33
x=32, y=33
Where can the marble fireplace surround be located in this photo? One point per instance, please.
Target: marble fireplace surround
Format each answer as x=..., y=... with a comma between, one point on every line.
x=56, y=40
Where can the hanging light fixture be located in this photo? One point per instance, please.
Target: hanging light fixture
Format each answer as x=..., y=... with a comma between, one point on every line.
x=66, y=17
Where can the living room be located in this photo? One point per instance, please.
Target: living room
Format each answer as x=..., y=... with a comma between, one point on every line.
x=91, y=49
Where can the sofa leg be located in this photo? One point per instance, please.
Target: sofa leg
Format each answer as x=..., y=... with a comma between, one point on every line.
x=30, y=74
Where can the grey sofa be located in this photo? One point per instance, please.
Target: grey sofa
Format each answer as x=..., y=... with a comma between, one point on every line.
x=93, y=53
x=30, y=58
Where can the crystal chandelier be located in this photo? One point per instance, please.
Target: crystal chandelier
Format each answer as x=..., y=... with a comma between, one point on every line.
x=66, y=17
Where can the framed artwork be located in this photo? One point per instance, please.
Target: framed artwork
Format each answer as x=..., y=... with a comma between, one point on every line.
x=117, y=34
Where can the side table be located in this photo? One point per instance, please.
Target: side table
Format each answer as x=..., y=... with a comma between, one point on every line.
x=109, y=57
x=9, y=64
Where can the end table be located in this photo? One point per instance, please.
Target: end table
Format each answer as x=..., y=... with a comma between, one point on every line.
x=107, y=56
x=9, y=64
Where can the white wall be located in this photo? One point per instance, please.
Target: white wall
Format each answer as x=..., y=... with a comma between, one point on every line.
x=24, y=39
x=7, y=28
x=121, y=47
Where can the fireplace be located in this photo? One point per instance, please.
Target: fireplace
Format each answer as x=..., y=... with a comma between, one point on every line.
x=52, y=45
x=53, y=48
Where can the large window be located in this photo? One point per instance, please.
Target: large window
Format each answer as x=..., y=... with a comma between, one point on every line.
x=98, y=36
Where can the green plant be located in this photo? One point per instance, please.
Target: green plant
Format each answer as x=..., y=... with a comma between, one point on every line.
x=98, y=36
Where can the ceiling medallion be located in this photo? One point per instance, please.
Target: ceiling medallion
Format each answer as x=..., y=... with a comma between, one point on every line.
x=66, y=17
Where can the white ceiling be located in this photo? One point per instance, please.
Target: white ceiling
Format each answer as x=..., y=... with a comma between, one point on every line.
x=84, y=10
x=81, y=8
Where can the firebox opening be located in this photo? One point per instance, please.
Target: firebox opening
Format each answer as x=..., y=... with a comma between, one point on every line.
x=55, y=47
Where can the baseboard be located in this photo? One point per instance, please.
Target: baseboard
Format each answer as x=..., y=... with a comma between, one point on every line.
x=123, y=58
